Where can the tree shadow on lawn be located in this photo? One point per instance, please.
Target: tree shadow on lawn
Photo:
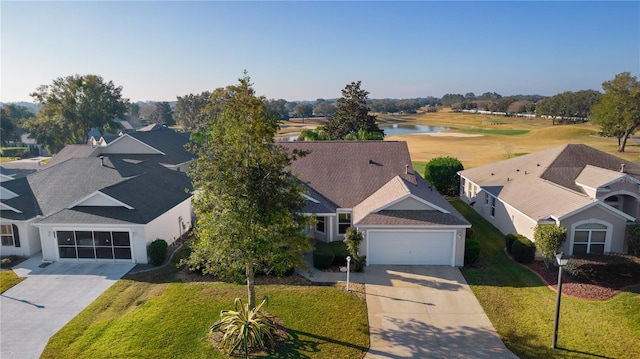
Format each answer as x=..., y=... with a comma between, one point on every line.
x=296, y=347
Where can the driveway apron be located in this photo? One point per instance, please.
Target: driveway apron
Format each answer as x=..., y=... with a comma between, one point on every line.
x=35, y=309
x=427, y=312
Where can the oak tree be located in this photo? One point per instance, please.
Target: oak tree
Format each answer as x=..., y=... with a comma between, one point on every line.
x=248, y=203
x=72, y=106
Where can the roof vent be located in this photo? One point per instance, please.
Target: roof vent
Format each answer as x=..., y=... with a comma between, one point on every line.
x=406, y=169
x=517, y=170
x=622, y=167
x=101, y=160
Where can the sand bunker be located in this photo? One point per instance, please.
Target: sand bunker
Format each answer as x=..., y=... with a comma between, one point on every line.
x=445, y=134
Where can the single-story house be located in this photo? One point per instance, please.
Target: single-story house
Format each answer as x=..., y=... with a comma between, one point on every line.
x=161, y=145
x=94, y=209
x=371, y=185
x=591, y=193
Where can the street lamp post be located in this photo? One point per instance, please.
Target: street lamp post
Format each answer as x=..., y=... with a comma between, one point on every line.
x=561, y=263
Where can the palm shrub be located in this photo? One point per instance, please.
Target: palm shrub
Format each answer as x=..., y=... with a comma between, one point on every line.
x=548, y=239
x=353, y=238
x=245, y=328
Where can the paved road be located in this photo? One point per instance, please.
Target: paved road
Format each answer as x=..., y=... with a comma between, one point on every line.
x=34, y=310
x=427, y=312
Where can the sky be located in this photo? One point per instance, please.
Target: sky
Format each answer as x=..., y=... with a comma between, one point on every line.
x=303, y=50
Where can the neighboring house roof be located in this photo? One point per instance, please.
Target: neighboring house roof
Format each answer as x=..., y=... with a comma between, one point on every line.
x=543, y=184
x=72, y=151
x=369, y=177
x=151, y=127
x=126, y=125
x=11, y=170
x=164, y=146
x=59, y=193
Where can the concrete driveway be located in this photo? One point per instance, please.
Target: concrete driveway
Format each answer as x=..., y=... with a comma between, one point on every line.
x=35, y=309
x=427, y=312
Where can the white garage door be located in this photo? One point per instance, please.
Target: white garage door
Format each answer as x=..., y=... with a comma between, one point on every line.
x=410, y=247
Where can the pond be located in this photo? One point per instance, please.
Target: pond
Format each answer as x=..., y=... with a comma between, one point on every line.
x=403, y=129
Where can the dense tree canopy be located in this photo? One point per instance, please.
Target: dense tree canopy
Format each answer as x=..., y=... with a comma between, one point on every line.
x=188, y=111
x=442, y=173
x=352, y=115
x=72, y=106
x=618, y=112
x=568, y=104
x=162, y=114
x=303, y=110
x=11, y=117
x=248, y=203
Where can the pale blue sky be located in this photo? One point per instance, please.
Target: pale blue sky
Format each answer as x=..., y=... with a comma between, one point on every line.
x=157, y=50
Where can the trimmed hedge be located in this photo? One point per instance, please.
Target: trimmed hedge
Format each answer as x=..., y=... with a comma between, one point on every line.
x=323, y=256
x=12, y=151
x=340, y=252
x=471, y=251
x=509, y=239
x=157, y=251
x=524, y=251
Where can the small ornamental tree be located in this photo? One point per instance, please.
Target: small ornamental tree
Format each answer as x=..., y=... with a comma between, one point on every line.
x=442, y=173
x=548, y=239
x=633, y=238
x=352, y=239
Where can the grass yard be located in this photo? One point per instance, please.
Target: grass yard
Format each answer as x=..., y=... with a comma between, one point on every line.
x=8, y=279
x=167, y=318
x=498, y=138
x=522, y=308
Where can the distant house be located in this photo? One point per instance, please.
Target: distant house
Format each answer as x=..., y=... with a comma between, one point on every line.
x=162, y=145
x=371, y=185
x=591, y=193
x=94, y=209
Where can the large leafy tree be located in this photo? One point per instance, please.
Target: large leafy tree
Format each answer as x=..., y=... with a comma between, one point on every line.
x=618, y=111
x=248, y=203
x=352, y=114
x=162, y=114
x=188, y=111
x=442, y=172
x=72, y=106
x=11, y=118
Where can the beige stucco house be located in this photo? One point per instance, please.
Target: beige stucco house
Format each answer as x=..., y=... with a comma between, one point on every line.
x=591, y=193
x=371, y=185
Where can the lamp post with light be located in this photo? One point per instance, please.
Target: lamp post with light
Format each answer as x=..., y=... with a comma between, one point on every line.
x=561, y=263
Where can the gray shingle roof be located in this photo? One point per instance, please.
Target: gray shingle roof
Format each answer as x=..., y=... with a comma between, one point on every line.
x=149, y=188
x=347, y=172
x=71, y=151
x=366, y=176
x=542, y=184
x=167, y=141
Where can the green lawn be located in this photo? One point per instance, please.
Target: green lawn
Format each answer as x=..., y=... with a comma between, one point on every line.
x=8, y=279
x=166, y=318
x=522, y=308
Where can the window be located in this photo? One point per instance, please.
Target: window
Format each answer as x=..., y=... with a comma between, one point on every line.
x=493, y=206
x=344, y=222
x=320, y=224
x=486, y=199
x=9, y=234
x=589, y=238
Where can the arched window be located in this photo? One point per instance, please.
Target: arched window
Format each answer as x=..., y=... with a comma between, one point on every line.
x=589, y=238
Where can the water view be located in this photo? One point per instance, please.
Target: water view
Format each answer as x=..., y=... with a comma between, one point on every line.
x=402, y=129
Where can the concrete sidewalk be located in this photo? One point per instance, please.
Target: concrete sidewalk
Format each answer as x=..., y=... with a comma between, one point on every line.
x=35, y=309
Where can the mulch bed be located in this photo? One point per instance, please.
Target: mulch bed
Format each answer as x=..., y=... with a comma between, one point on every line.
x=581, y=288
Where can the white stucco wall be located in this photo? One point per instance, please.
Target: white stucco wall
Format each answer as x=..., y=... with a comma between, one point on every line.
x=29, y=240
x=167, y=226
